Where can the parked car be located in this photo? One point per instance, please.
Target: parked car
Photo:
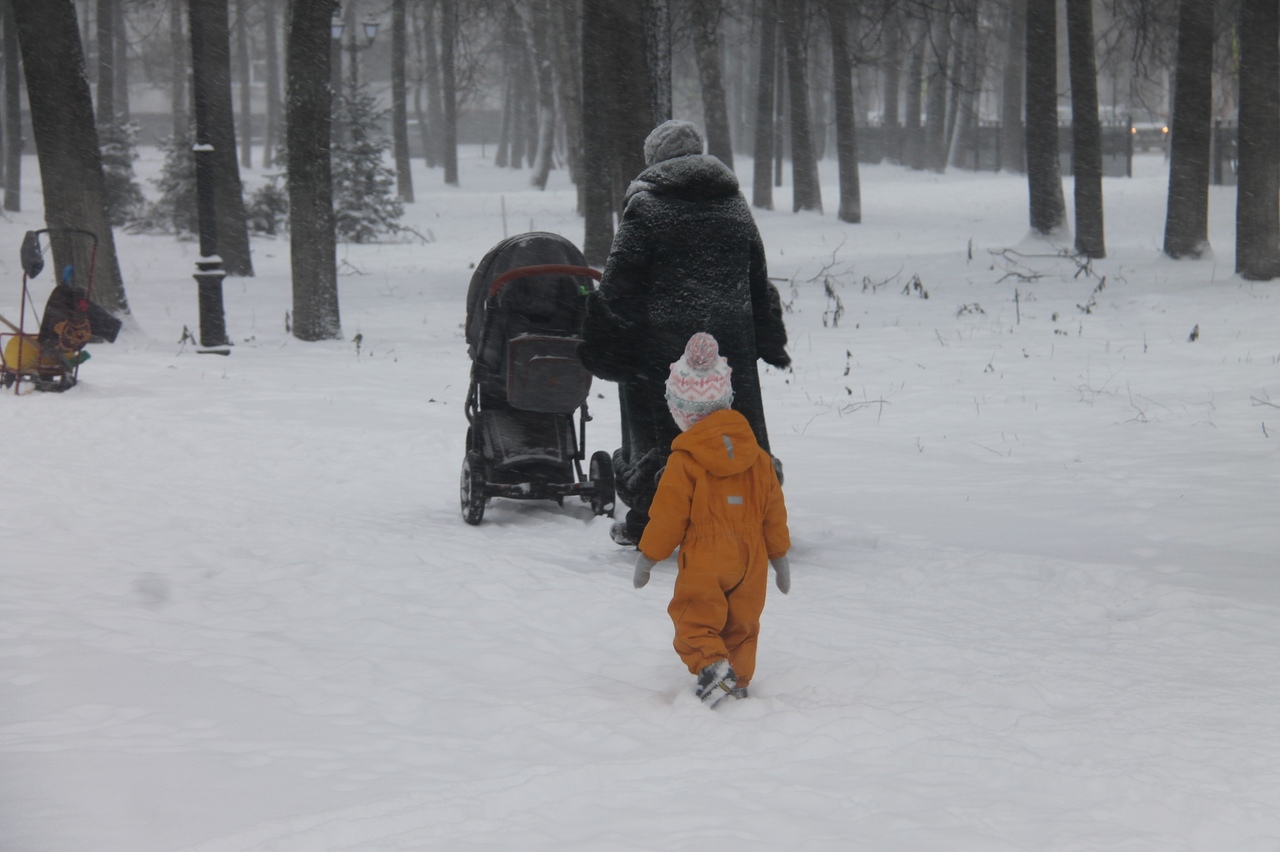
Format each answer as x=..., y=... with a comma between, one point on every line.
x=1149, y=129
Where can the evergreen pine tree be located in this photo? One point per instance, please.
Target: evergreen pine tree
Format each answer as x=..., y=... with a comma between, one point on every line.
x=365, y=200
x=175, y=210
x=125, y=202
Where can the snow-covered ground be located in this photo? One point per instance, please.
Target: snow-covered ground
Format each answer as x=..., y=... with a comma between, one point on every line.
x=1036, y=597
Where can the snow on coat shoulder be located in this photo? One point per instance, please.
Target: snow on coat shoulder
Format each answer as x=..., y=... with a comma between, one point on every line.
x=693, y=177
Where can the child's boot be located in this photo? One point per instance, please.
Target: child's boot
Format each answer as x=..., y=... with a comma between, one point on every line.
x=715, y=683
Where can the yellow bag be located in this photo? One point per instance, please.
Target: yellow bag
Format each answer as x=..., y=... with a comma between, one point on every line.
x=25, y=353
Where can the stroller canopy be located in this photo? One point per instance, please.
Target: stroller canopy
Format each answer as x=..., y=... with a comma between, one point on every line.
x=539, y=303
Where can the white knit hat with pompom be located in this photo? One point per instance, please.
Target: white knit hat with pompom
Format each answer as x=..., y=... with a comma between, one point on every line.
x=700, y=382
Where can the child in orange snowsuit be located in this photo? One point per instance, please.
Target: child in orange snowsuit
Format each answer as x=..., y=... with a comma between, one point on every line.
x=720, y=502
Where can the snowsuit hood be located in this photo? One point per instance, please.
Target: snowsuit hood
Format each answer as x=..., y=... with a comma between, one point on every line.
x=722, y=442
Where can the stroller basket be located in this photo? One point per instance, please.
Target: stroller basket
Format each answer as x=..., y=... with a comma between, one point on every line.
x=544, y=374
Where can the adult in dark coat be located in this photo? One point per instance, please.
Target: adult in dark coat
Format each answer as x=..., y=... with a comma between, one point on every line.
x=687, y=257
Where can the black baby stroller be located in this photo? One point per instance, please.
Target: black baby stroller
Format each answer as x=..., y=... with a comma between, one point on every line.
x=524, y=310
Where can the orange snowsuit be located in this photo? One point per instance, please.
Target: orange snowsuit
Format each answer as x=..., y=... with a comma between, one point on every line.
x=719, y=501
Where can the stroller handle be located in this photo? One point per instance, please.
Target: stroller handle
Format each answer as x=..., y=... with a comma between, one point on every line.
x=542, y=269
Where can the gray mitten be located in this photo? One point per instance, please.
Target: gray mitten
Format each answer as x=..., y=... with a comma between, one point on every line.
x=781, y=568
x=643, y=566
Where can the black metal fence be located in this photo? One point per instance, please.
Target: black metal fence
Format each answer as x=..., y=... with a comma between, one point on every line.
x=983, y=151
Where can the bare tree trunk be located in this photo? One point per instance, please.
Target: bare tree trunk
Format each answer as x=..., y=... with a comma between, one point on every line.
x=1044, y=172
x=122, y=63
x=1186, y=225
x=178, y=69
x=433, y=127
x=543, y=56
x=657, y=33
x=233, y=229
x=564, y=29
x=271, y=134
x=517, y=90
x=762, y=173
x=106, y=90
x=964, y=88
x=502, y=151
x=846, y=141
x=13, y=142
x=1258, y=193
x=892, y=122
x=62, y=121
x=1086, y=134
x=935, y=128
x=597, y=172
x=807, y=191
x=912, y=128
x=242, y=77
x=312, y=244
x=706, y=49
x=1012, y=158
x=631, y=109
x=449, y=90
x=399, y=106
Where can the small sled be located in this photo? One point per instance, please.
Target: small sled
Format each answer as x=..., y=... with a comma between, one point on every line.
x=525, y=307
x=50, y=355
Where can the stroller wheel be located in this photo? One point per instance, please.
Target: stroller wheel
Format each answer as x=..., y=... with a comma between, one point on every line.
x=471, y=488
x=601, y=475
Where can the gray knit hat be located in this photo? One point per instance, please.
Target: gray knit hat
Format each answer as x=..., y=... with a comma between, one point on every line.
x=672, y=139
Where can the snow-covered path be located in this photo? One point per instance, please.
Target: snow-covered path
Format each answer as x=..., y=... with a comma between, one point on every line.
x=1035, y=605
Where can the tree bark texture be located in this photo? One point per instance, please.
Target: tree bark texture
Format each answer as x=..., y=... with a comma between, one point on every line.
x=122, y=63
x=208, y=21
x=715, y=107
x=846, y=140
x=806, y=189
x=657, y=33
x=1186, y=226
x=939, y=65
x=1044, y=174
x=179, y=67
x=597, y=173
x=631, y=114
x=1086, y=134
x=13, y=142
x=568, y=50
x=912, y=129
x=432, y=127
x=62, y=122
x=106, y=42
x=891, y=119
x=1258, y=193
x=1012, y=156
x=274, y=123
x=312, y=246
x=243, y=61
x=399, y=101
x=543, y=58
x=762, y=168
x=449, y=90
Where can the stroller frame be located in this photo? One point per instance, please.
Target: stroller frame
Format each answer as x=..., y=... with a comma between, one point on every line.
x=523, y=445
x=46, y=371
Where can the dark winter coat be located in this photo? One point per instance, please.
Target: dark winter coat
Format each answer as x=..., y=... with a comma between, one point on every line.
x=687, y=257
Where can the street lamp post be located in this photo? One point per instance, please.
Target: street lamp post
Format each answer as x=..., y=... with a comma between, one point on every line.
x=209, y=272
x=353, y=47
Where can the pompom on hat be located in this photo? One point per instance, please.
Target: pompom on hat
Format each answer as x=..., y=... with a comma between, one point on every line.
x=672, y=139
x=700, y=382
